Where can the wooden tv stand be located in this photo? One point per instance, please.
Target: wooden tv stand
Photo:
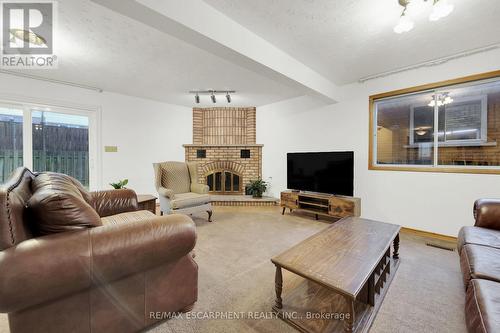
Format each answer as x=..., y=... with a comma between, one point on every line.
x=321, y=204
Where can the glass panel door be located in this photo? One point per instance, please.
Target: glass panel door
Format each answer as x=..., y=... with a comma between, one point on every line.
x=61, y=144
x=236, y=183
x=11, y=141
x=227, y=181
x=218, y=181
x=210, y=182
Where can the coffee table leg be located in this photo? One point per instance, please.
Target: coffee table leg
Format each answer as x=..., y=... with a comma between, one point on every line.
x=278, y=282
x=395, y=254
x=349, y=322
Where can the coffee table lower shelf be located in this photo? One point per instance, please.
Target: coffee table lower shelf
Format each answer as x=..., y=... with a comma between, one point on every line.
x=312, y=308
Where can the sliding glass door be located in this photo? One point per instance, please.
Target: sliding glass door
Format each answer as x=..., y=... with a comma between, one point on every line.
x=61, y=144
x=11, y=140
x=48, y=139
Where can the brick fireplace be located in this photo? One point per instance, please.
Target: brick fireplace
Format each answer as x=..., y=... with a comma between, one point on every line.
x=224, y=145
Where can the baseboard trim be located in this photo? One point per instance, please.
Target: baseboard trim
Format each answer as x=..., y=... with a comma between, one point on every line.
x=429, y=234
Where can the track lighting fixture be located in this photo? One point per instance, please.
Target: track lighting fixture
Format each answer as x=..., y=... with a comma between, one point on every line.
x=213, y=94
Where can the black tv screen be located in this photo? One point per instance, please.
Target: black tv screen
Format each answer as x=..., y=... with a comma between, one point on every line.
x=328, y=172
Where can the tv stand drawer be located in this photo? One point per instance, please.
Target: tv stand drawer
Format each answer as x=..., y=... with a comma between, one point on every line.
x=290, y=200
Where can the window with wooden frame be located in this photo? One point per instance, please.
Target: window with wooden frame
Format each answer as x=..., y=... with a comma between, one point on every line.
x=450, y=126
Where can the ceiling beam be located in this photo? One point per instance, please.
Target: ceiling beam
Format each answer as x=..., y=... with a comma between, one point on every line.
x=197, y=23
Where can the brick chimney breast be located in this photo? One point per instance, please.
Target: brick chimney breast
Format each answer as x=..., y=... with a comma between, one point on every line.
x=224, y=145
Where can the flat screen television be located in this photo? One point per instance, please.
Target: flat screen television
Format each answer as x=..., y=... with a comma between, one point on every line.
x=327, y=172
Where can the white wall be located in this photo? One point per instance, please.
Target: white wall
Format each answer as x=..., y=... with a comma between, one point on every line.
x=145, y=131
x=435, y=202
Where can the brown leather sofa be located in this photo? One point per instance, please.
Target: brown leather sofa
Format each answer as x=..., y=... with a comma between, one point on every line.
x=121, y=276
x=479, y=249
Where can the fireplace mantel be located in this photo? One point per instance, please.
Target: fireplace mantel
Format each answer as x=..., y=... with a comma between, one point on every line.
x=221, y=145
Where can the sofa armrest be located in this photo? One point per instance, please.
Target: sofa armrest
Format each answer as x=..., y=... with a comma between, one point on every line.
x=487, y=213
x=44, y=268
x=125, y=249
x=165, y=192
x=199, y=188
x=114, y=202
x=48, y=268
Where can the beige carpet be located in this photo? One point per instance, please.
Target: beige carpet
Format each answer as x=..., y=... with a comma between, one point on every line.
x=235, y=274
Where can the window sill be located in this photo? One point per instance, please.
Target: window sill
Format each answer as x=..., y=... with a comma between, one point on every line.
x=437, y=169
x=452, y=144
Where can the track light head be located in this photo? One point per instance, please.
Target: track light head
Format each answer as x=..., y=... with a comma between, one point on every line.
x=213, y=94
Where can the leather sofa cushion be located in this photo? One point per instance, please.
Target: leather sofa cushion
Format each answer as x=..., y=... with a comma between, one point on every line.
x=482, y=306
x=480, y=262
x=487, y=213
x=59, y=204
x=479, y=236
x=190, y=199
x=112, y=202
x=127, y=217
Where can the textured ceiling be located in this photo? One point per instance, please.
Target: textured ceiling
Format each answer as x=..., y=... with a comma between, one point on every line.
x=345, y=40
x=102, y=48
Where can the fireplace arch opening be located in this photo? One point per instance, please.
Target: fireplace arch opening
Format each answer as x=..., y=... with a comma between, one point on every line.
x=224, y=182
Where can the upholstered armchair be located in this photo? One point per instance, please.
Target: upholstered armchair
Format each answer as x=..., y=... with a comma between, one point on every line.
x=179, y=190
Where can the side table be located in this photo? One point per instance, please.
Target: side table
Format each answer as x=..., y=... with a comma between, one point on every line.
x=147, y=202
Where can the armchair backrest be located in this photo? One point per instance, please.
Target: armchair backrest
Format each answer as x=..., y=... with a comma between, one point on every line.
x=174, y=176
x=14, y=222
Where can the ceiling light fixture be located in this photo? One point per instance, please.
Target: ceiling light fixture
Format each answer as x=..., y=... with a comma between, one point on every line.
x=447, y=100
x=213, y=94
x=440, y=9
x=28, y=37
x=422, y=130
x=442, y=99
x=415, y=7
x=404, y=25
x=412, y=8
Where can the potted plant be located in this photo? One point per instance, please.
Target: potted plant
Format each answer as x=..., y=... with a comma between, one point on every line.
x=257, y=187
x=120, y=184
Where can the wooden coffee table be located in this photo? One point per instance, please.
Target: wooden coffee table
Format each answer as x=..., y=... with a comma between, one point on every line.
x=340, y=276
